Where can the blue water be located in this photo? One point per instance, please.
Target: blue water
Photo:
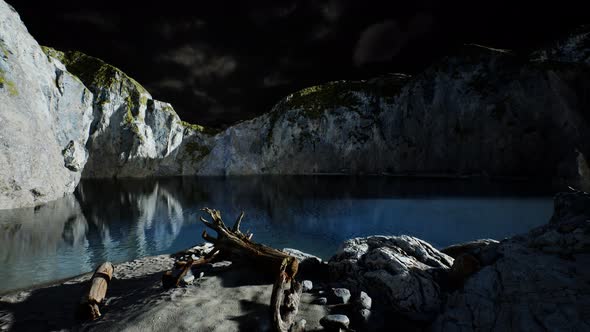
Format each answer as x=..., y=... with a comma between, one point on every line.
x=127, y=219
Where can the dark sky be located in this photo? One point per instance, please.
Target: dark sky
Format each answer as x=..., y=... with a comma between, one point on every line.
x=218, y=62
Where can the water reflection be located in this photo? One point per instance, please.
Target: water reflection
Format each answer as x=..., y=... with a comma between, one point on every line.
x=127, y=219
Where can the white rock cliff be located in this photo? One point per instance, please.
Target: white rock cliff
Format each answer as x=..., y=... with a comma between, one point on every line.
x=45, y=115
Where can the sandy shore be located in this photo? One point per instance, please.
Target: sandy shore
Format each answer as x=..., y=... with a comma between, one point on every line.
x=233, y=300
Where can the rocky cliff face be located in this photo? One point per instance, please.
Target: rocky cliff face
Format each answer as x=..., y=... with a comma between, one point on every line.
x=485, y=111
x=45, y=114
x=132, y=135
x=480, y=112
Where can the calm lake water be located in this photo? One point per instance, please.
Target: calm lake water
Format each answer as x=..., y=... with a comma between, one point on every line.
x=127, y=219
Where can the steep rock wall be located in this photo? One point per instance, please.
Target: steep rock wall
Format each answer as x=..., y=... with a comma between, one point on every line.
x=45, y=115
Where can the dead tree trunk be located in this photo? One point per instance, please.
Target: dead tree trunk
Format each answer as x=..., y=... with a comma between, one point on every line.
x=284, y=302
x=97, y=292
x=286, y=291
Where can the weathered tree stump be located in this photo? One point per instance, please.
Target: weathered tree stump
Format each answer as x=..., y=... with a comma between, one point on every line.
x=89, y=306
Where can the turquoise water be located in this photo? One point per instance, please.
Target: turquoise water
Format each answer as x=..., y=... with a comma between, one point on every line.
x=127, y=219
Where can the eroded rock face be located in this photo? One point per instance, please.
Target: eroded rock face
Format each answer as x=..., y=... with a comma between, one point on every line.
x=540, y=283
x=484, y=111
x=45, y=115
x=132, y=134
x=397, y=271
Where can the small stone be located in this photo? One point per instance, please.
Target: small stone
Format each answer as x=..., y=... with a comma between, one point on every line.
x=194, y=257
x=299, y=326
x=365, y=301
x=219, y=266
x=321, y=301
x=307, y=285
x=334, y=322
x=188, y=278
x=364, y=315
x=339, y=296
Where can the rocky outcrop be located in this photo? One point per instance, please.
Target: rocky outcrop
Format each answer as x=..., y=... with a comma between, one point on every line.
x=132, y=134
x=539, y=284
x=397, y=271
x=45, y=114
x=532, y=282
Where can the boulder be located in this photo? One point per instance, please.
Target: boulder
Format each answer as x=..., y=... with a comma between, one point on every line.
x=396, y=271
x=538, y=284
x=335, y=322
x=484, y=250
x=45, y=116
x=364, y=301
x=339, y=296
x=307, y=285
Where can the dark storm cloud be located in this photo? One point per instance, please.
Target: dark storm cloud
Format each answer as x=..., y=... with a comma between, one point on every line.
x=382, y=41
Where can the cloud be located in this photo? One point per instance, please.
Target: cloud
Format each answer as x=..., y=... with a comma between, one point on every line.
x=172, y=84
x=333, y=10
x=202, y=63
x=204, y=96
x=382, y=41
x=169, y=29
x=262, y=16
x=379, y=42
x=274, y=79
x=93, y=18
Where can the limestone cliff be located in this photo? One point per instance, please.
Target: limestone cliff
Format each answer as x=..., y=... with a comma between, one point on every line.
x=132, y=135
x=482, y=111
x=45, y=114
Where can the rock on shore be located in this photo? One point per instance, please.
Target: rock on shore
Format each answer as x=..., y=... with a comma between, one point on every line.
x=45, y=115
x=532, y=282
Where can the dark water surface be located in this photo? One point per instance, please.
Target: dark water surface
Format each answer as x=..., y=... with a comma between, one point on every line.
x=127, y=219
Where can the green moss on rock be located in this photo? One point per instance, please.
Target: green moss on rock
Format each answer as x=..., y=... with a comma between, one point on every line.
x=315, y=100
x=93, y=72
x=198, y=128
x=197, y=151
x=9, y=85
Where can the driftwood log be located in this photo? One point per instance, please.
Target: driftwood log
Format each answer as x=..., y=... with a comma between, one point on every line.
x=89, y=306
x=286, y=291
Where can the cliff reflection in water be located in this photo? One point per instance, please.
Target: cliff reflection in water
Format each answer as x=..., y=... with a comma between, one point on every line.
x=126, y=219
